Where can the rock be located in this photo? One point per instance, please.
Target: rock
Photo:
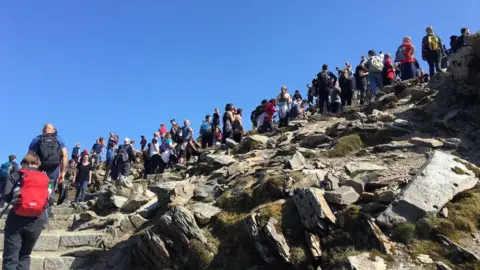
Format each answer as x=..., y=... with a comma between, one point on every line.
x=375, y=238
x=203, y=212
x=133, y=204
x=181, y=194
x=442, y=266
x=180, y=225
x=342, y=196
x=203, y=192
x=354, y=168
x=420, y=93
x=423, y=258
x=313, y=209
x=452, y=143
x=444, y=212
x=126, y=225
x=314, y=140
x=259, y=239
x=385, y=102
x=150, y=208
x=359, y=182
x=151, y=250
x=363, y=262
x=434, y=186
x=311, y=178
x=137, y=221
x=231, y=143
x=313, y=242
x=381, y=116
x=163, y=190
x=374, y=207
x=238, y=167
x=276, y=239
x=458, y=250
x=164, y=177
x=426, y=142
x=297, y=162
x=385, y=196
x=459, y=62
x=251, y=143
x=401, y=123
x=331, y=182
x=119, y=201
x=221, y=160
x=87, y=216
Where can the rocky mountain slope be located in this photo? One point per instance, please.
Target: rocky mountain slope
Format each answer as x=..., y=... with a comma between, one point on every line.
x=389, y=186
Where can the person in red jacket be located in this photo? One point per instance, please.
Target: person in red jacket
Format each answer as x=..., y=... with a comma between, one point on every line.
x=163, y=131
x=407, y=65
x=389, y=70
x=270, y=111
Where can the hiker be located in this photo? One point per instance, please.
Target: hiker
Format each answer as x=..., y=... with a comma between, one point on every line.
x=146, y=160
x=112, y=140
x=298, y=110
x=267, y=125
x=217, y=136
x=324, y=84
x=206, y=131
x=388, y=70
x=405, y=55
x=168, y=153
x=163, y=131
x=310, y=94
x=53, y=155
x=284, y=102
x=143, y=143
x=26, y=220
x=83, y=178
x=154, y=150
x=335, y=99
x=132, y=143
x=375, y=68
x=238, y=126
x=363, y=61
x=381, y=55
x=76, y=152
x=361, y=79
x=432, y=51
x=216, y=117
x=463, y=39
x=176, y=132
x=228, y=119
x=454, y=44
x=297, y=95
x=97, y=151
x=109, y=161
x=346, y=86
x=256, y=115
x=6, y=169
x=124, y=158
x=186, y=147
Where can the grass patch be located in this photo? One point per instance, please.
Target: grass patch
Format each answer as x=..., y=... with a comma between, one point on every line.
x=469, y=166
x=346, y=145
x=464, y=210
x=200, y=255
x=429, y=227
x=404, y=232
x=458, y=170
x=298, y=257
x=242, y=202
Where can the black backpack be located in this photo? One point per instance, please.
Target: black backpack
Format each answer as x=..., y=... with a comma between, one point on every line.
x=49, y=151
x=323, y=80
x=122, y=154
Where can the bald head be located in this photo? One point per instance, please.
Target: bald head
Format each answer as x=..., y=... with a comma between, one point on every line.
x=48, y=129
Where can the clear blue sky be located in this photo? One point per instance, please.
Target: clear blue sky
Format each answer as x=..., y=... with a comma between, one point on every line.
x=90, y=67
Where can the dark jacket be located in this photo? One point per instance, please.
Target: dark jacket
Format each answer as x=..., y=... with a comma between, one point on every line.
x=130, y=152
x=346, y=84
x=361, y=81
x=323, y=88
x=463, y=41
x=426, y=52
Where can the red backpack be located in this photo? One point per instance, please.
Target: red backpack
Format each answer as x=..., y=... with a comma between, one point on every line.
x=33, y=197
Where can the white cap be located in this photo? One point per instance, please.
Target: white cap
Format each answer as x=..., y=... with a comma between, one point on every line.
x=127, y=140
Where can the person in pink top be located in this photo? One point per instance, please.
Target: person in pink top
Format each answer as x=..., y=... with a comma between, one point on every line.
x=163, y=131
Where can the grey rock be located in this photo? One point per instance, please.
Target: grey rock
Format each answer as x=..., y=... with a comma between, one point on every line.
x=163, y=190
x=442, y=266
x=459, y=250
x=259, y=239
x=137, y=221
x=363, y=262
x=181, y=194
x=444, y=212
x=251, y=143
x=313, y=242
x=452, y=143
x=426, y=142
x=385, y=102
x=401, y=123
x=374, y=207
x=221, y=160
x=354, y=168
x=459, y=63
x=179, y=224
x=331, y=182
x=133, y=204
x=314, y=140
x=203, y=212
x=360, y=181
x=119, y=201
x=297, y=162
x=428, y=192
x=203, y=192
x=231, y=143
x=342, y=196
x=276, y=239
x=385, y=196
x=315, y=214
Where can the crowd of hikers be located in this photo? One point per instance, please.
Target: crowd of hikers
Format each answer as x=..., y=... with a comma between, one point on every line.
x=30, y=188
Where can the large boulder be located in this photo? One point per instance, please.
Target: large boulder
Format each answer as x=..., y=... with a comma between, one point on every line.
x=438, y=181
x=163, y=190
x=203, y=212
x=315, y=214
x=354, y=168
x=251, y=143
x=459, y=63
x=133, y=204
x=181, y=194
x=314, y=140
x=221, y=160
x=342, y=196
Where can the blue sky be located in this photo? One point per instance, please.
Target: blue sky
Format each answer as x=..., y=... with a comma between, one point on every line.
x=91, y=67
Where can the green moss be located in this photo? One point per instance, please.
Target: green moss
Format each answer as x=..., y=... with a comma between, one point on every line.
x=272, y=210
x=429, y=227
x=377, y=253
x=241, y=202
x=200, y=255
x=469, y=166
x=404, y=232
x=298, y=257
x=458, y=170
x=346, y=145
x=336, y=257
x=464, y=210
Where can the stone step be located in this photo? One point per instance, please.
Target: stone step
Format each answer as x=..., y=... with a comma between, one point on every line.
x=55, y=224
x=78, y=259
x=58, y=240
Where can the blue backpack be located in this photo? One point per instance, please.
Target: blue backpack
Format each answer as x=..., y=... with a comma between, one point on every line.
x=5, y=169
x=206, y=128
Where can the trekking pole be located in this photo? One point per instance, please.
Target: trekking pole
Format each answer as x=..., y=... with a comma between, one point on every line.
x=5, y=209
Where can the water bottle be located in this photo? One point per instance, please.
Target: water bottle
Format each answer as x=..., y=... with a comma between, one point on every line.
x=16, y=192
x=50, y=188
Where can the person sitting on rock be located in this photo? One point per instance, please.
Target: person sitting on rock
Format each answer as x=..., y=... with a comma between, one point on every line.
x=217, y=136
x=298, y=110
x=297, y=95
x=335, y=99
